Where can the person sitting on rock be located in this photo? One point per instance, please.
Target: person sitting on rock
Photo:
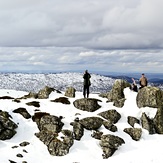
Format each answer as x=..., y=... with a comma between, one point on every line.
x=143, y=81
x=134, y=86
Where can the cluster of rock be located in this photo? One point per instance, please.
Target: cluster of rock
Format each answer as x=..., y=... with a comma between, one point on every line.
x=146, y=97
x=51, y=127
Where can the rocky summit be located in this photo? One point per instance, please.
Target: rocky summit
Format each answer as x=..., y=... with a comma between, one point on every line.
x=101, y=115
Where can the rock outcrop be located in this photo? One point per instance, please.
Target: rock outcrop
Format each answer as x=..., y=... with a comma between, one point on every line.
x=158, y=120
x=116, y=94
x=149, y=97
x=50, y=126
x=132, y=120
x=45, y=92
x=7, y=126
x=70, y=92
x=23, y=112
x=78, y=129
x=87, y=104
x=147, y=123
x=91, y=123
x=42, y=94
x=110, y=144
x=135, y=133
x=111, y=115
x=62, y=100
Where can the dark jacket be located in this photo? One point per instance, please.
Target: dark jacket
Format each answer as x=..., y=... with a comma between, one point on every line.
x=87, y=81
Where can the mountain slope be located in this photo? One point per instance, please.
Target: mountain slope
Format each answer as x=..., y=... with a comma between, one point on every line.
x=60, y=81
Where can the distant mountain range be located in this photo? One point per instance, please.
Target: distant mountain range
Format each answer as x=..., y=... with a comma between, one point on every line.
x=32, y=82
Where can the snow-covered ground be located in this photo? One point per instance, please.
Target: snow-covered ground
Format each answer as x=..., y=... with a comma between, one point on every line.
x=147, y=150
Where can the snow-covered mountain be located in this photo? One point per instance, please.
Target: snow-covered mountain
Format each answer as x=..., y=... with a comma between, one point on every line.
x=31, y=82
x=60, y=81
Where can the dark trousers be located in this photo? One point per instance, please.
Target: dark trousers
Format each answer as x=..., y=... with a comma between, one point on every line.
x=86, y=90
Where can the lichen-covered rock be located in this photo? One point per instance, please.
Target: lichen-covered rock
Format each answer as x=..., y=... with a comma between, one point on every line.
x=51, y=123
x=97, y=135
x=111, y=115
x=67, y=133
x=87, y=104
x=116, y=94
x=110, y=126
x=70, y=92
x=58, y=147
x=91, y=123
x=23, y=112
x=135, y=133
x=132, y=120
x=149, y=97
x=119, y=102
x=45, y=92
x=7, y=127
x=78, y=129
x=33, y=103
x=109, y=144
x=30, y=95
x=147, y=123
x=46, y=136
x=62, y=100
x=158, y=120
x=38, y=115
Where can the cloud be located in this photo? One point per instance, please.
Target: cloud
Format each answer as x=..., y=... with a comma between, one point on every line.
x=58, y=35
x=82, y=23
x=78, y=59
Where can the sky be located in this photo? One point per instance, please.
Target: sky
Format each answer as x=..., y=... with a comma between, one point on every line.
x=74, y=35
x=147, y=149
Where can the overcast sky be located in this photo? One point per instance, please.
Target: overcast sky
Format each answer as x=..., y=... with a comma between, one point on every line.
x=98, y=35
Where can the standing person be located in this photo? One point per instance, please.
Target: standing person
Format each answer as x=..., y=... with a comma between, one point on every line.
x=86, y=83
x=143, y=81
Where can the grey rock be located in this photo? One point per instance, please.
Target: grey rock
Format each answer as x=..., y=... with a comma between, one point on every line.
x=23, y=112
x=147, y=123
x=46, y=136
x=91, y=123
x=45, y=92
x=110, y=126
x=109, y=144
x=132, y=120
x=135, y=133
x=149, y=97
x=7, y=126
x=51, y=123
x=116, y=94
x=33, y=103
x=59, y=147
x=87, y=104
x=158, y=120
x=97, y=135
x=62, y=100
x=111, y=115
x=70, y=92
x=78, y=130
